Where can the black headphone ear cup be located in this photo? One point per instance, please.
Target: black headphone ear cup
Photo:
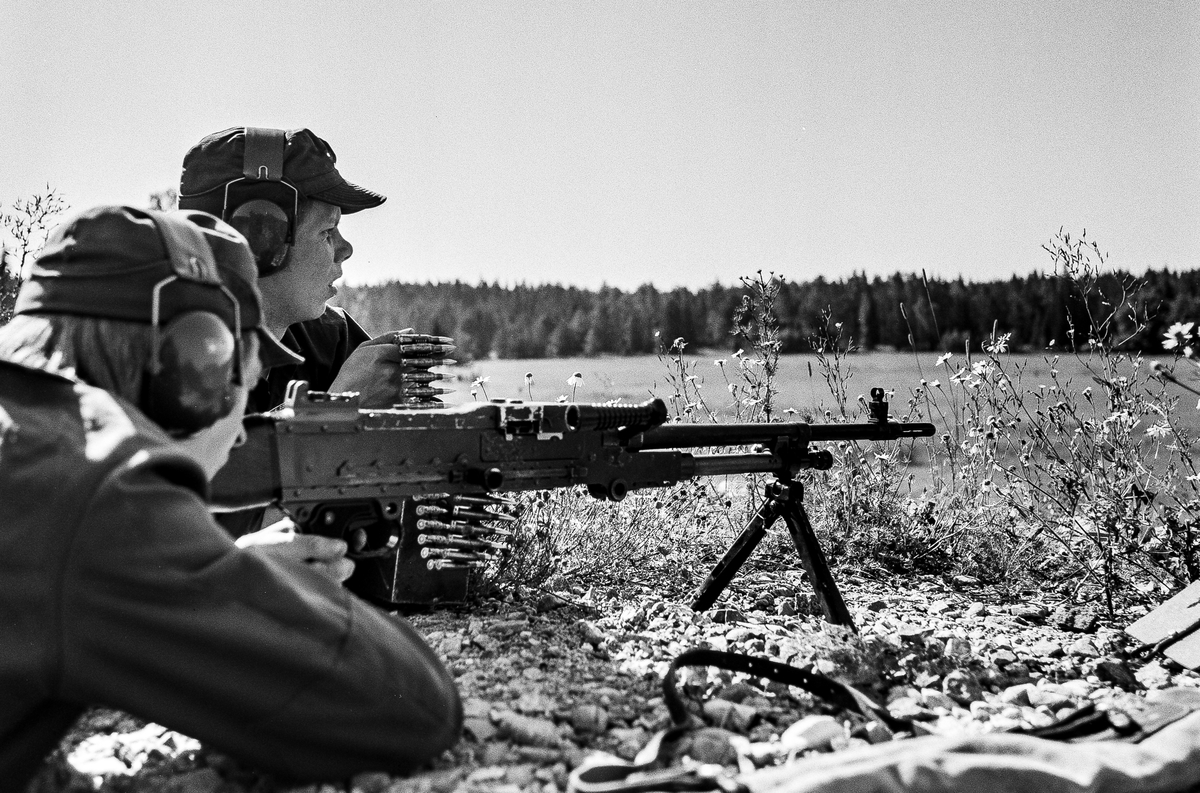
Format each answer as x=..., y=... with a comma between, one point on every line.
x=265, y=225
x=191, y=384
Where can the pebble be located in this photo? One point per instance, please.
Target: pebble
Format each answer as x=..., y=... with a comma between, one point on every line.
x=629, y=740
x=1017, y=673
x=1047, y=648
x=1062, y=618
x=727, y=615
x=1003, y=658
x=956, y=647
x=1029, y=613
x=900, y=692
x=1085, y=648
x=1047, y=697
x=932, y=698
x=962, y=687
x=1079, y=689
x=730, y=715
x=1084, y=622
x=812, y=732
x=589, y=719
x=1112, y=670
x=981, y=709
x=1017, y=695
x=909, y=708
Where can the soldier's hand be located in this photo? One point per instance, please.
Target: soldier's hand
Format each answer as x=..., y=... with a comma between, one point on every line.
x=394, y=368
x=281, y=541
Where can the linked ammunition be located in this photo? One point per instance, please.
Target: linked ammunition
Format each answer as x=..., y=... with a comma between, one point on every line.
x=421, y=376
x=427, y=349
x=460, y=543
x=422, y=391
x=461, y=527
x=457, y=556
x=447, y=564
x=426, y=510
x=406, y=339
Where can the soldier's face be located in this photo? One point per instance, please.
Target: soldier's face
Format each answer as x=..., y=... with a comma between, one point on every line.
x=300, y=290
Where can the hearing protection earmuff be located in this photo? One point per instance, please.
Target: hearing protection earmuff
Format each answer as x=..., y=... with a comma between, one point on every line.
x=260, y=204
x=196, y=361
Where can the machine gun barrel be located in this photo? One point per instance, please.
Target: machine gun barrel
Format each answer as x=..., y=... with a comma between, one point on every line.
x=633, y=418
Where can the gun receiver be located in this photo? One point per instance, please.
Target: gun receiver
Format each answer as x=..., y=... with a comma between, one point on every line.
x=341, y=471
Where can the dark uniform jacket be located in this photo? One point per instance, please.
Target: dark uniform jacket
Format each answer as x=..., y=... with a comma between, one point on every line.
x=325, y=342
x=118, y=589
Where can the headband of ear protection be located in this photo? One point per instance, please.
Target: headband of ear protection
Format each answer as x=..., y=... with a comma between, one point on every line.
x=196, y=359
x=260, y=204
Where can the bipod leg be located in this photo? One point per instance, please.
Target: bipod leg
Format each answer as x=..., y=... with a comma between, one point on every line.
x=738, y=553
x=791, y=503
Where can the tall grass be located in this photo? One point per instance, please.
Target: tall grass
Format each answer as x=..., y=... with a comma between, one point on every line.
x=1086, y=489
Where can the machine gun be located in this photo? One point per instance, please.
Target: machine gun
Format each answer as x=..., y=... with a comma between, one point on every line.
x=410, y=487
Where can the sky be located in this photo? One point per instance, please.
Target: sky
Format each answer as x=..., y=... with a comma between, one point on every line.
x=622, y=143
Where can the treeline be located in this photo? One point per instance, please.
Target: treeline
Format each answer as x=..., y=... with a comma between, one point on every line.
x=10, y=284
x=875, y=314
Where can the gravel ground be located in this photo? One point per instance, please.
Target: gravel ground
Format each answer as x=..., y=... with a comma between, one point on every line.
x=547, y=681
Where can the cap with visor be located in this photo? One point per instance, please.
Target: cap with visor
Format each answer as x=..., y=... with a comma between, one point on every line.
x=115, y=262
x=308, y=164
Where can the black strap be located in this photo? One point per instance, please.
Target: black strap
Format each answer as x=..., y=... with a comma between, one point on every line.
x=262, y=159
x=825, y=688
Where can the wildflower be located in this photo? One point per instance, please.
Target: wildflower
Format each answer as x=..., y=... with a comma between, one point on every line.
x=936, y=384
x=562, y=398
x=980, y=367
x=943, y=358
x=720, y=362
x=1180, y=329
x=1159, y=430
x=478, y=381
x=574, y=381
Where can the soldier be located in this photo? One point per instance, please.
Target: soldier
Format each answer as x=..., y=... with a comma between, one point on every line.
x=123, y=379
x=283, y=191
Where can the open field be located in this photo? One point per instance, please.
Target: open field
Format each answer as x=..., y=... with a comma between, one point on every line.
x=800, y=382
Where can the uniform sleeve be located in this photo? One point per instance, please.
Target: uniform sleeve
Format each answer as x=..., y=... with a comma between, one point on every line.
x=166, y=618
